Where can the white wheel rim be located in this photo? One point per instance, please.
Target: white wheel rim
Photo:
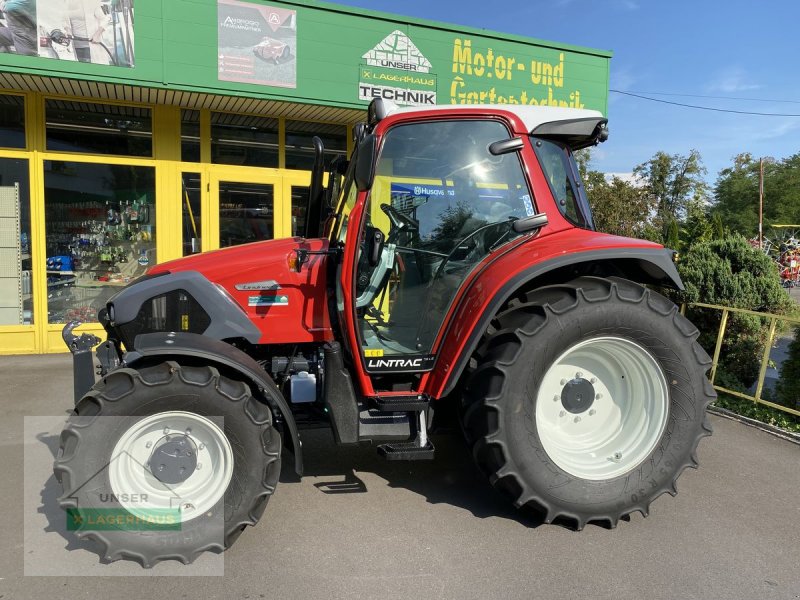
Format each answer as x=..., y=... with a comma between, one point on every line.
x=624, y=420
x=139, y=491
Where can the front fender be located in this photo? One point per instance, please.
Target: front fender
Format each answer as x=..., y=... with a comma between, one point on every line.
x=172, y=345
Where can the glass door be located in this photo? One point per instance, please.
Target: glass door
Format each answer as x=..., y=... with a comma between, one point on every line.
x=247, y=207
x=295, y=190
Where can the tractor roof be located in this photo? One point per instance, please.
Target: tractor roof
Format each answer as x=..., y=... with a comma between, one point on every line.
x=531, y=116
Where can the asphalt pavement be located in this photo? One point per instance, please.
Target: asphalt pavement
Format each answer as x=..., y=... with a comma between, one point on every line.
x=359, y=527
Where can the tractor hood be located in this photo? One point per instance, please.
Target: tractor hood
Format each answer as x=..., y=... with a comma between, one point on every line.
x=241, y=263
x=265, y=298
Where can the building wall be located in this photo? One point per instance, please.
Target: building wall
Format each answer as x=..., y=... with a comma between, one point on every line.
x=196, y=45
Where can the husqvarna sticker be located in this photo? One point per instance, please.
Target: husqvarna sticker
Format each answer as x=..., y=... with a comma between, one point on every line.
x=400, y=364
x=280, y=300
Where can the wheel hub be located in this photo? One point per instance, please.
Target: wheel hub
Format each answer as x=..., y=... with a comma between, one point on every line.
x=577, y=395
x=174, y=458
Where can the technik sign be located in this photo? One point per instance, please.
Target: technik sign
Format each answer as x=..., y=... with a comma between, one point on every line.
x=396, y=70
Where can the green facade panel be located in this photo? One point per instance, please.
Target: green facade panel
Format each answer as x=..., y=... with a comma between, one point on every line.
x=328, y=54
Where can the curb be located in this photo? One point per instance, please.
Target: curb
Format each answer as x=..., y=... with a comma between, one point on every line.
x=794, y=438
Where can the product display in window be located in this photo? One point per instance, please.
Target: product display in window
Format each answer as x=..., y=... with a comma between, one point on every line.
x=96, y=245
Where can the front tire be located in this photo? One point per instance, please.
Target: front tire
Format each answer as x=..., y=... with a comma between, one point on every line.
x=588, y=400
x=131, y=424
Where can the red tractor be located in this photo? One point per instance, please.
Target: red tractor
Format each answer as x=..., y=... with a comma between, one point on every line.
x=451, y=262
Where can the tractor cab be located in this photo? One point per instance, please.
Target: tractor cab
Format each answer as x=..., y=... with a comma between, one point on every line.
x=431, y=197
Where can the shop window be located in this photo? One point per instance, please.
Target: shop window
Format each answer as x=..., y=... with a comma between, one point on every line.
x=190, y=200
x=16, y=299
x=12, y=121
x=244, y=140
x=100, y=221
x=246, y=212
x=190, y=135
x=300, y=150
x=92, y=128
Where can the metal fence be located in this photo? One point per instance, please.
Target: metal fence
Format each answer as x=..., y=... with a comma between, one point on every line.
x=773, y=321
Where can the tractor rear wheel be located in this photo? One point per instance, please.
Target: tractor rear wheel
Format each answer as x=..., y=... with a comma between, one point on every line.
x=166, y=462
x=588, y=400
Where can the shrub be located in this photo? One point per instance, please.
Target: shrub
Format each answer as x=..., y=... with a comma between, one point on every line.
x=730, y=272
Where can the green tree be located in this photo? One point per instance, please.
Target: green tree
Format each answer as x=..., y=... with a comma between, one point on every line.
x=730, y=272
x=672, y=181
x=736, y=193
x=619, y=207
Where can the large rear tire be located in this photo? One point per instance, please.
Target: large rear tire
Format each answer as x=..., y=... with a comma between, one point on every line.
x=588, y=400
x=121, y=432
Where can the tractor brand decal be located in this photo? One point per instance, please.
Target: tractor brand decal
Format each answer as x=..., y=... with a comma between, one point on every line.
x=268, y=300
x=400, y=364
x=396, y=70
x=256, y=44
x=267, y=284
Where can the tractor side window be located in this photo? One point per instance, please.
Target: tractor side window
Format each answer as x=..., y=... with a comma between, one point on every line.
x=562, y=176
x=443, y=203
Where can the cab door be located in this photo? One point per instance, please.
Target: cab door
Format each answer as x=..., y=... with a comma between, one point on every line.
x=439, y=206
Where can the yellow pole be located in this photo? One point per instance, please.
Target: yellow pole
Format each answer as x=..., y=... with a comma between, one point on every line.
x=720, y=335
x=765, y=359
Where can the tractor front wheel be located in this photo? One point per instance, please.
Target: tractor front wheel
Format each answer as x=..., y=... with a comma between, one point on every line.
x=588, y=400
x=166, y=462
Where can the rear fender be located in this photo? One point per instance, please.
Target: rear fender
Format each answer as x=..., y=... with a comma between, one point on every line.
x=174, y=346
x=479, y=305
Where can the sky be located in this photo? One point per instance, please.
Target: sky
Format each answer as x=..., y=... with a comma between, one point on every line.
x=730, y=49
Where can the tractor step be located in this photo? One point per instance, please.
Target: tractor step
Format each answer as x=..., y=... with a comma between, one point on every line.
x=406, y=451
x=401, y=403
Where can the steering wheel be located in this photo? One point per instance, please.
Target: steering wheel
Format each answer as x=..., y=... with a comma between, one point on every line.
x=463, y=241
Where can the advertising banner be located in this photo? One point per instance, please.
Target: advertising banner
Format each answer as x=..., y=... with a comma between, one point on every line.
x=88, y=31
x=256, y=44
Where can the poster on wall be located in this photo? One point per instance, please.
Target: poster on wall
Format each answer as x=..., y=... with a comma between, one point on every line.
x=256, y=44
x=89, y=31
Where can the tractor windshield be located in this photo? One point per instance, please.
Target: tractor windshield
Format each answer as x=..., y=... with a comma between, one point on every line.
x=561, y=173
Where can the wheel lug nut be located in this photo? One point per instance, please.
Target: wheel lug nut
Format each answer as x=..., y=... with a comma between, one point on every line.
x=579, y=374
x=563, y=382
x=188, y=430
x=577, y=420
x=201, y=446
x=148, y=444
x=562, y=413
x=598, y=396
x=593, y=380
x=556, y=398
x=592, y=412
x=199, y=466
x=166, y=430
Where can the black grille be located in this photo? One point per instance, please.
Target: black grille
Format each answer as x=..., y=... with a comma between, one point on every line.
x=176, y=310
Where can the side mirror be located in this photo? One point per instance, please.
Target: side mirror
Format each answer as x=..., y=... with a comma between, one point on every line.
x=375, y=241
x=365, y=163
